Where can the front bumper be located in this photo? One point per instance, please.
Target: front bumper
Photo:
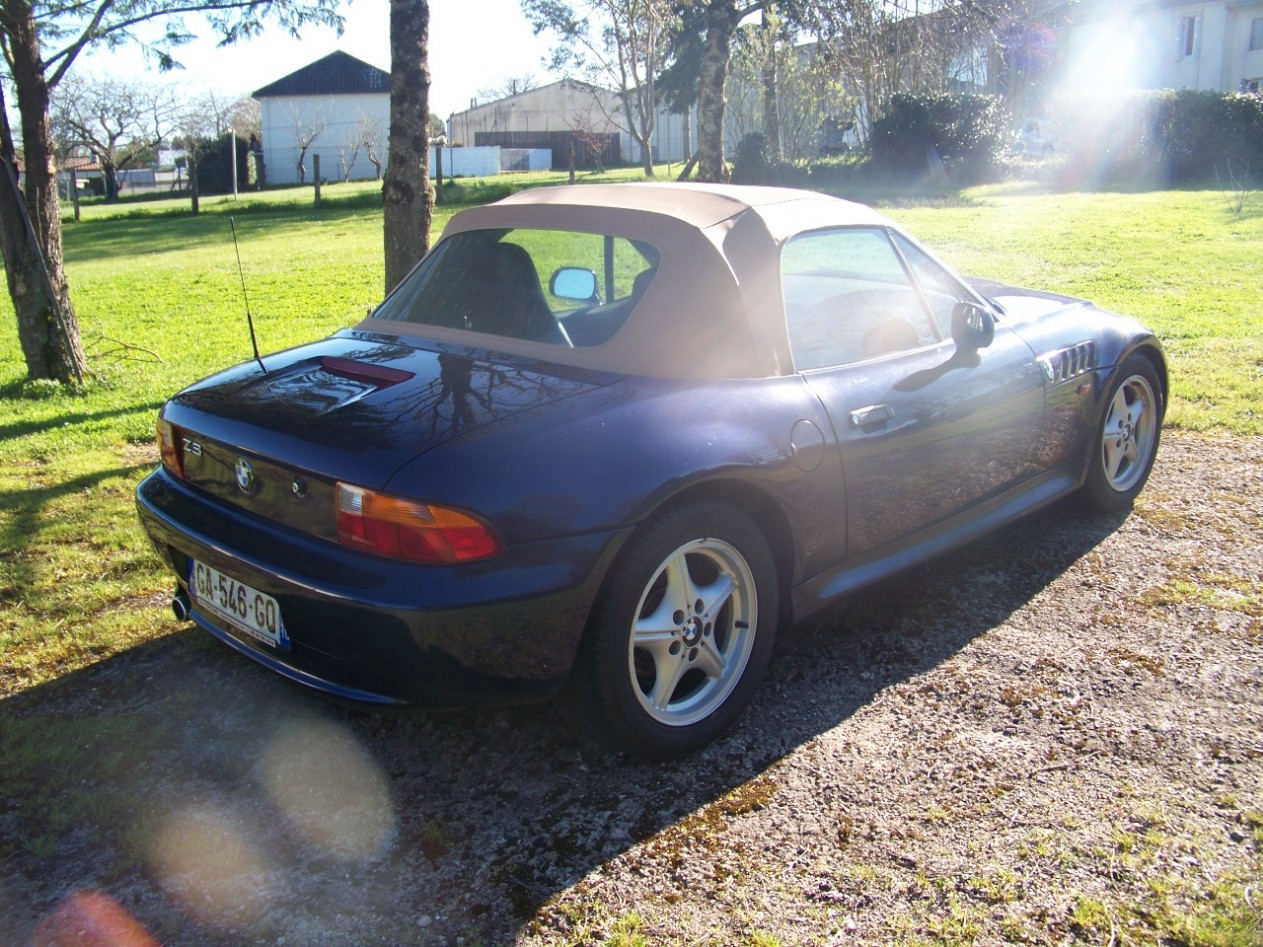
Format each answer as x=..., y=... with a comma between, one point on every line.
x=374, y=630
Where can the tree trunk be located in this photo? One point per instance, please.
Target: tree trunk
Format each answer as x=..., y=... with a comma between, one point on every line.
x=643, y=135
x=407, y=201
x=47, y=327
x=193, y=192
x=771, y=104
x=721, y=19
x=110, y=172
x=646, y=157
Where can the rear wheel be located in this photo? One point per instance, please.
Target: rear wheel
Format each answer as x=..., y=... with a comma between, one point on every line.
x=682, y=634
x=1126, y=439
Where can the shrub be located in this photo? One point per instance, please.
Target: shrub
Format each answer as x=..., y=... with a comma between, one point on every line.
x=214, y=173
x=1200, y=133
x=1165, y=137
x=752, y=165
x=964, y=137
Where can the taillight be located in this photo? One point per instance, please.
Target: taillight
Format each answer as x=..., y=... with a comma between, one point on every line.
x=170, y=448
x=405, y=529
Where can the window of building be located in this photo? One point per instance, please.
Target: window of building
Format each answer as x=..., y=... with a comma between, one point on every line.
x=1187, y=36
x=1256, y=33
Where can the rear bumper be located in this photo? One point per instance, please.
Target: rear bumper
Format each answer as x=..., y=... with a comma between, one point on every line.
x=377, y=631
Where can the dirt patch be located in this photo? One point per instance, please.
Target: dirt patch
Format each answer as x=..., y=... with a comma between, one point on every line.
x=1050, y=735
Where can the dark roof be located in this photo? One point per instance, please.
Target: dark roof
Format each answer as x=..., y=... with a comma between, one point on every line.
x=337, y=74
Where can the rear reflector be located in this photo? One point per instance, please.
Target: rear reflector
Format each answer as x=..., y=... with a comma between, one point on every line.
x=170, y=448
x=405, y=529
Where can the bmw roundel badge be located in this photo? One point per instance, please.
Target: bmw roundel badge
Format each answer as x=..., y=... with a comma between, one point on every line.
x=245, y=476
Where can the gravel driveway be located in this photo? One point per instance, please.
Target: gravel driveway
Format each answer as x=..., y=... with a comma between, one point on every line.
x=1050, y=735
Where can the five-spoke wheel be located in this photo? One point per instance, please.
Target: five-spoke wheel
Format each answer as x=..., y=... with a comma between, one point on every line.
x=693, y=632
x=1127, y=439
x=682, y=633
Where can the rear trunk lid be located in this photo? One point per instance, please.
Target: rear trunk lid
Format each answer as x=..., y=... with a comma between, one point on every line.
x=354, y=407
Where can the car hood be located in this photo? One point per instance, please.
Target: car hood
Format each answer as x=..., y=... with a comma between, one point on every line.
x=1020, y=305
x=357, y=406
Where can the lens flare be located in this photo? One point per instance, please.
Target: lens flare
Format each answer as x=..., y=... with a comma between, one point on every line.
x=206, y=862
x=91, y=919
x=330, y=790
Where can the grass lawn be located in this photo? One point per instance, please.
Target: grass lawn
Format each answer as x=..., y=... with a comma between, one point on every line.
x=73, y=563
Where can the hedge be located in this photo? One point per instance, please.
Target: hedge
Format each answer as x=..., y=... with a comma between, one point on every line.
x=1166, y=137
x=967, y=136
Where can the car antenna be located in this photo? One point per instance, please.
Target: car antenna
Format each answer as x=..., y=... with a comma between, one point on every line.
x=254, y=342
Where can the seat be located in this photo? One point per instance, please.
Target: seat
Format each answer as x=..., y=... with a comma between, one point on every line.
x=508, y=300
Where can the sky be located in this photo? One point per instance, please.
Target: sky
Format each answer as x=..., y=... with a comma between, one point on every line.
x=474, y=44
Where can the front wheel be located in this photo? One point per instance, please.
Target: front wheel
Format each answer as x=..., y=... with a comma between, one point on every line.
x=682, y=633
x=1126, y=439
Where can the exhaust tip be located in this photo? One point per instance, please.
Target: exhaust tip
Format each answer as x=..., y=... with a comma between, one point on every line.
x=180, y=607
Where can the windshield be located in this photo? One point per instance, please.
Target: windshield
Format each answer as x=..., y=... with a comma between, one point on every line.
x=559, y=287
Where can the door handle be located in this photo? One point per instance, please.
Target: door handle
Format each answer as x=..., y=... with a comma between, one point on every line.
x=872, y=415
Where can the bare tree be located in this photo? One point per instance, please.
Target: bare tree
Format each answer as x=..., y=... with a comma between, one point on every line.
x=345, y=164
x=119, y=123
x=621, y=42
x=240, y=116
x=407, y=198
x=808, y=91
x=513, y=85
x=883, y=47
x=307, y=125
x=590, y=137
x=195, y=136
x=368, y=133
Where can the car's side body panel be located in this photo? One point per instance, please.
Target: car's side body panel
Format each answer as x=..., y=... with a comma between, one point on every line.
x=610, y=458
x=927, y=434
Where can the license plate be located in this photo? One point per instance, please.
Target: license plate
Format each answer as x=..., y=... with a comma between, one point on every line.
x=237, y=605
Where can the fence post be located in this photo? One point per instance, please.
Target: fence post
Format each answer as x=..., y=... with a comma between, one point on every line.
x=315, y=166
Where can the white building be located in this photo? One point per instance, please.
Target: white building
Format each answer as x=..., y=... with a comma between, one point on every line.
x=1212, y=45
x=546, y=117
x=339, y=106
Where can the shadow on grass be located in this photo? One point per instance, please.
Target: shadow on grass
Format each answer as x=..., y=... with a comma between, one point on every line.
x=36, y=426
x=145, y=233
x=161, y=226
x=215, y=803
x=28, y=507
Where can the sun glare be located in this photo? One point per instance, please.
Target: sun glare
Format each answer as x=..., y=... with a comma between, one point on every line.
x=1109, y=57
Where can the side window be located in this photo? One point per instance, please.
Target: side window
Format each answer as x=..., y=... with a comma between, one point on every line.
x=942, y=290
x=848, y=298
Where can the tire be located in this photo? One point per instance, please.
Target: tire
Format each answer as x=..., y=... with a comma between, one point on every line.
x=1126, y=439
x=681, y=635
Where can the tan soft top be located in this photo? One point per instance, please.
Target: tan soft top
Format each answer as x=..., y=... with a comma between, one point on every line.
x=714, y=309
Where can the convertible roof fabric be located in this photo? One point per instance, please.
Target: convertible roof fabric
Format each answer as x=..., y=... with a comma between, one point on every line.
x=714, y=309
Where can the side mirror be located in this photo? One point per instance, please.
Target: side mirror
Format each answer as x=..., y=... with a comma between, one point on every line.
x=973, y=326
x=574, y=282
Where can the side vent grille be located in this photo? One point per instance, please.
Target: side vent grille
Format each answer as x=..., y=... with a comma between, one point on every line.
x=1067, y=364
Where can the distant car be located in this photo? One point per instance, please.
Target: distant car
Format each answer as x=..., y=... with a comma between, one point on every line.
x=1039, y=137
x=605, y=440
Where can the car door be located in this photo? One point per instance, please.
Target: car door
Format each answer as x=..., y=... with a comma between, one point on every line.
x=926, y=429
